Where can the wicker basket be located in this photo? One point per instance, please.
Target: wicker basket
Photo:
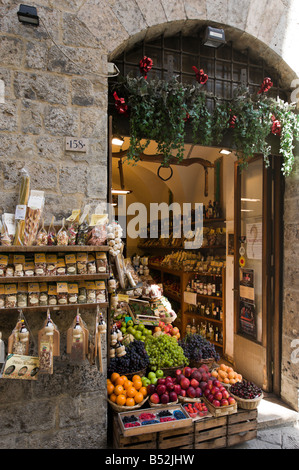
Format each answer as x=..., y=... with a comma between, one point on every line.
x=161, y=405
x=130, y=375
x=209, y=362
x=171, y=370
x=120, y=409
x=190, y=400
x=250, y=404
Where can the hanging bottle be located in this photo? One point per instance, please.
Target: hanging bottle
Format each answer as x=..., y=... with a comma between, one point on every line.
x=45, y=347
x=77, y=349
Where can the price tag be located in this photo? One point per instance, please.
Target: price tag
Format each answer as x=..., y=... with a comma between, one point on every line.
x=74, y=144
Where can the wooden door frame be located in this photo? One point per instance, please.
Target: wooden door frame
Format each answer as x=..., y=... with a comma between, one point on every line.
x=272, y=274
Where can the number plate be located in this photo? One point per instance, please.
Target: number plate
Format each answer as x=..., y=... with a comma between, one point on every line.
x=75, y=144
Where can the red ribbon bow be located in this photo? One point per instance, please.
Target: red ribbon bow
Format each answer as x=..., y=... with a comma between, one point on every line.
x=232, y=121
x=200, y=76
x=276, y=126
x=265, y=86
x=145, y=65
x=120, y=105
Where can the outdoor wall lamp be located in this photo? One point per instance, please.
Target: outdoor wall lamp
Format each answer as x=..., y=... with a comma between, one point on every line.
x=28, y=15
x=213, y=37
x=117, y=140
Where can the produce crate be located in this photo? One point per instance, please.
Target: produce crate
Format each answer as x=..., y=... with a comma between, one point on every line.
x=241, y=427
x=210, y=433
x=176, y=439
x=219, y=411
x=139, y=441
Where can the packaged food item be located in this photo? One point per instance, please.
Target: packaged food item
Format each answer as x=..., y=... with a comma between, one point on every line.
x=82, y=294
x=71, y=264
x=73, y=225
x=40, y=264
x=100, y=291
x=19, y=261
x=2, y=349
x=81, y=263
x=98, y=233
x=3, y=264
x=33, y=215
x=51, y=260
x=91, y=264
x=61, y=267
x=10, y=295
x=21, y=208
x=33, y=294
x=52, y=239
x=42, y=236
x=90, y=292
x=77, y=340
x=10, y=270
x=83, y=229
x=29, y=268
x=43, y=294
x=18, y=342
x=2, y=296
x=52, y=294
x=101, y=261
x=48, y=345
x=22, y=295
x=5, y=238
x=73, y=293
x=62, y=235
x=62, y=293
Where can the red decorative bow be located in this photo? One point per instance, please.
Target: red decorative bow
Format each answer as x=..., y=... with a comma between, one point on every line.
x=232, y=121
x=276, y=126
x=265, y=86
x=145, y=65
x=200, y=76
x=120, y=105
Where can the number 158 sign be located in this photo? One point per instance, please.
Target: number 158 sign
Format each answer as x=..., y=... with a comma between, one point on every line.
x=75, y=145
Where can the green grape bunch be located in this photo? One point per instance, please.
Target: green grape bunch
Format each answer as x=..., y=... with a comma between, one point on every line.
x=163, y=352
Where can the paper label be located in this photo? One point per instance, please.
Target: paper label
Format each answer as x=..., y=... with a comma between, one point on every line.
x=10, y=289
x=62, y=287
x=33, y=287
x=22, y=287
x=52, y=259
x=40, y=258
x=70, y=259
x=72, y=288
x=20, y=213
x=3, y=260
x=82, y=257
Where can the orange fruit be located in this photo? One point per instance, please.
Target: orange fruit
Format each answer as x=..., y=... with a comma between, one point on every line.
x=113, y=397
x=128, y=384
x=137, y=384
x=114, y=376
x=110, y=388
x=143, y=390
x=130, y=402
x=136, y=377
x=118, y=390
x=119, y=381
x=138, y=397
x=121, y=400
x=131, y=392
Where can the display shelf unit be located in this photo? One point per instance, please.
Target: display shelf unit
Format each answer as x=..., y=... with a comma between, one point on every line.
x=55, y=278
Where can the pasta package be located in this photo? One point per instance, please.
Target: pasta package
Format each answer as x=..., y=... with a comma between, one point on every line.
x=73, y=224
x=21, y=208
x=33, y=215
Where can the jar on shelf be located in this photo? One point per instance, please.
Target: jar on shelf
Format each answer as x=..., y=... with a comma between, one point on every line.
x=2, y=296
x=100, y=292
x=29, y=268
x=3, y=265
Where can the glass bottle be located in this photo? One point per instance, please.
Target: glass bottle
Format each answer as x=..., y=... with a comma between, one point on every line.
x=188, y=329
x=193, y=328
x=216, y=337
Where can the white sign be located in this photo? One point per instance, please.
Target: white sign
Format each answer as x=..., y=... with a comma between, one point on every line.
x=254, y=240
x=74, y=144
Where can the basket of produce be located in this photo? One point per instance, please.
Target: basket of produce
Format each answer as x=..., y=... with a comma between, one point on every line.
x=226, y=375
x=217, y=399
x=163, y=392
x=135, y=359
x=196, y=410
x=198, y=350
x=126, y=394
x=164, y=353
x=141, y=373
x=247, y=395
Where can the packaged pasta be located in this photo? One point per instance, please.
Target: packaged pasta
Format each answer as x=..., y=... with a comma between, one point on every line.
x=10, y=270
x=29, y=268
x=40, y=264
x=98, y=233
x=52, y=239
x=100, y=292
x=51, y=260
x=83, y=229
x=21, y=208
x=42, y=236
x=73, y=224
x=91, y=264
x=5, y=238
x=82, y=294
x=2, y=296
x=22, y=295
x=43, y=294
x=52, y=294
x=19, y=261
x=73, y=293
x=61, y=267
x=33, y=294
x=10, y=295
x=62, y=235
x=81, y=263
x=3, y=264
x=90, y=292
x=62, y=293
x=33, y=215
x=101, y=261
x=71, y=264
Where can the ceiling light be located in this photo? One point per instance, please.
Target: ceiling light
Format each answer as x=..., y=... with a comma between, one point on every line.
x=117, y=140
x=247, y=210
x=213, y=37
x=28, y=15
x=121, y=191
x=245, y=199
x=225, y=152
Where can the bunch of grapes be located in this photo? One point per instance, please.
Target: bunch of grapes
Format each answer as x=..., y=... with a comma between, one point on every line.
x=136, y=359
x=164, y=352
x=196, y=347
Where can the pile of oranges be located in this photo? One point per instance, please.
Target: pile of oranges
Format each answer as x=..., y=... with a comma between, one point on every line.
x=226, y=374
x=125, y=392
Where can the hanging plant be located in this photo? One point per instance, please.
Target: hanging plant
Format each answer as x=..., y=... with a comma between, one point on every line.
x=160, y=110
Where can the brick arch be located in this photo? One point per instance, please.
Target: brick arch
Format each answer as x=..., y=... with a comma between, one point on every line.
x=260, y=27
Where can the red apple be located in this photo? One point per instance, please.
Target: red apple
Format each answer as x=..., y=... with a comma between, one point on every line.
x=231, y=400
x=187, y=371
x=151, y=388
x=185, y=383
x=216, y=402
x=198, y=392
x=210, y=384
x=191, y=392
x=161, y=381
x=207, y=392
x=217, y=384
x=178, y=372
x=196, y=375
x=183, y=393
x=173, y=396
x=161, y=389
x=218, y=395
x=168, y=379
x=224, y=402
x=204, y=377
x=164, y=398
x=154, y=398
x=202, y=385
x=225, y=394
x=194, y=383
x=177, y=389
x=169, y=386
x=210, y=397
x=214, y=390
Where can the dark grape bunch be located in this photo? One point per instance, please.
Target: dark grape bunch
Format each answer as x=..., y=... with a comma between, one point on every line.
x=196, y=347
x=246, y=390
x=136, y=359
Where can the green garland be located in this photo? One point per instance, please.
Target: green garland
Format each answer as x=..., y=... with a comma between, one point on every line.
x=159, y=110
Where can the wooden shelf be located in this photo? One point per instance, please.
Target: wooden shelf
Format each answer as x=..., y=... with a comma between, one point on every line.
x=64, y=278
x=52, y=248
x=200, y=317
x=54, y=307
x=172, y=295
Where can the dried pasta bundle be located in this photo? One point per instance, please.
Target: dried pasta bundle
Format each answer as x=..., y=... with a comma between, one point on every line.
x=23, y=201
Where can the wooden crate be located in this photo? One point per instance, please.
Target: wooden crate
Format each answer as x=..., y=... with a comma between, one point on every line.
x=210, y=433
x=241, y=427
x=176, y=439
x=141, y=441
x=219, y=411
